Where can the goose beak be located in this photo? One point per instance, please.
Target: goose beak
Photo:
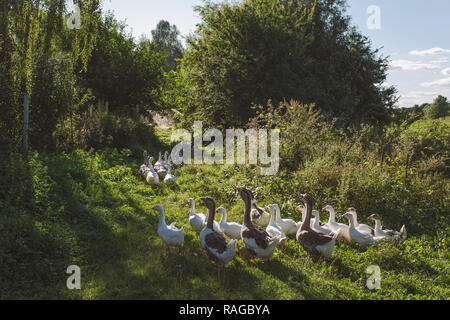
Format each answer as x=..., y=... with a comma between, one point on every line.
x=239, y=189
x=203, y=198
x=154, y=208
x=297, y=209
x=324, y=209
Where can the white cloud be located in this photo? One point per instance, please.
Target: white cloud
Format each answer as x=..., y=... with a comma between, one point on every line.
x=440, y=60
x=408, y=65
x=419, y=94
x=417, y=97
x=427, y=52
x=438, y=83
x=446, y=72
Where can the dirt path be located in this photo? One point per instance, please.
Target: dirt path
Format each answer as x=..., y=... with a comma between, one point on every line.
x=163, y=122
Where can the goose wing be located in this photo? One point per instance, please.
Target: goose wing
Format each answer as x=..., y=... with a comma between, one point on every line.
x=258, y=234
x=309, y=239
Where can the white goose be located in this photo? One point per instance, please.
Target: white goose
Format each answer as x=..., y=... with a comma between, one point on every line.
x=363, y=239
x=152, y=177
x=171, y=235
x=363, y=228
x=231, y=229
x=169, y=178
x=158, y=164
x=258, y=215
x=196, y=220
x=289, y=226
x=389, y=234
x=334, y=226
x=273, y=229
x=161, y=172
x=317, y=227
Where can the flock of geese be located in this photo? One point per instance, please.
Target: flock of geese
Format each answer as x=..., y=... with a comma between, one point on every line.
x=160, y=171
x=262, y=232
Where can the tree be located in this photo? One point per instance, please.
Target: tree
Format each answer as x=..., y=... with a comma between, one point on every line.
x=438, y=109
x=122, y=72
x=249, y=52
x=166, y=37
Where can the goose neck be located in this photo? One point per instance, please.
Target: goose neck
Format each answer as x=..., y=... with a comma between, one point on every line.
x=224, y=217
x=248, y=205
x=211, y=215
x=162, y=218
x=278, y=212
x=332, y=217
x=272, y=220
x=307, y=222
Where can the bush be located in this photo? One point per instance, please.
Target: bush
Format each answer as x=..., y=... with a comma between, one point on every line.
x=97, y=130
x=372, y=170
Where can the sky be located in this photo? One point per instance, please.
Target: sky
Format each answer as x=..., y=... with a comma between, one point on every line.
x=414, y=34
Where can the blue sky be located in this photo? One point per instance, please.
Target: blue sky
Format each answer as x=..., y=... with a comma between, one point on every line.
x=415, y=34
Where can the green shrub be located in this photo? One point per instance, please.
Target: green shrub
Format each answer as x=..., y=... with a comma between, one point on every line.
x=97, y=130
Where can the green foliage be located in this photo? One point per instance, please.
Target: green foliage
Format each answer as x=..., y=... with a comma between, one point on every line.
x=248, y=53
x=122, y=72
x=438, y=109
x=166, y=37
x=57, y=66
x=404, y=181
x=95, y=129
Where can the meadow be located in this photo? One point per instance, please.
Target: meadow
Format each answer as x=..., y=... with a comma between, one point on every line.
x=93, y=209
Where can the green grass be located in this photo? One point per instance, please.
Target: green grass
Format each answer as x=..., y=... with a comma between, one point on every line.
x=94, y=210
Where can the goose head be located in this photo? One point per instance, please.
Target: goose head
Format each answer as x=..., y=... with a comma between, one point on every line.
x=308, y=199
x=328, y=208
x=316, y=214
x=222, y=211
x=158, y=208
x=245, y=194
x=350, y=217
x=375, y=217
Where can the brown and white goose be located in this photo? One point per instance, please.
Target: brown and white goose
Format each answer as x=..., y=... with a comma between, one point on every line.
x=217, y=248
x=315, y=244
x=256, y=240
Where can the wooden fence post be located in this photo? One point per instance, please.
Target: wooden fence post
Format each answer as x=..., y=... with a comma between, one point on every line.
x=26, y=120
